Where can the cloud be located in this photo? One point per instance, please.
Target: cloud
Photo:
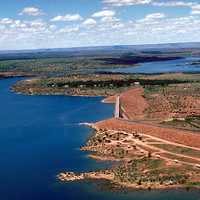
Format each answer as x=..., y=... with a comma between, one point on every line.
x=67, y=18
x=5, y=21
x=155, y=16
x=32, y=11
x=69, y=30
x=174, y=4
x=195, y=7
x=41, y=34
x=167, y=3
x=109, y=19
x=102, y=28
x=126, y=2
x=196, y=10
x=89, y=22
x=8, y=22
x=104, y=13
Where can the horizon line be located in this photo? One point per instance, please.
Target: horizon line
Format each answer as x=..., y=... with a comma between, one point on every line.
x=94, y=46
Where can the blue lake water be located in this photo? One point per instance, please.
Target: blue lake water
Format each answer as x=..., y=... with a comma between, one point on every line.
x=180, y=65
x=40, y=137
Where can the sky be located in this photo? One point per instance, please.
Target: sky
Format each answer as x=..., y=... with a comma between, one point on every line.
x=36, y=24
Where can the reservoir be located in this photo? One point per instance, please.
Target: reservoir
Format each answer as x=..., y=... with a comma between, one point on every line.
x=40, y=137
x=172, y=66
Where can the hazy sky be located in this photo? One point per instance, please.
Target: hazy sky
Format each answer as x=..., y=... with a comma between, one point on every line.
x=27, y=24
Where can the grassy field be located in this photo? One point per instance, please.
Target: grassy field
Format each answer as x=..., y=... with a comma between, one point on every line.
x=190, y=123
x=179, y=150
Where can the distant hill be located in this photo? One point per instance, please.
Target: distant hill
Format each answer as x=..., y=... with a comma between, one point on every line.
x=95, y=51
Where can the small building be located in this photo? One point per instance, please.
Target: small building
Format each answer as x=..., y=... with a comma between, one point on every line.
x=136, y=83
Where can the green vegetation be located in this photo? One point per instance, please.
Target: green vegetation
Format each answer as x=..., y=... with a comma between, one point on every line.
x=51, y=66
x=179, y=150
x=119, y=153
x=193, y=121
x=175, y=105
x=149, y=171
x=172, y=87
x=92, y=84
x=190, y=123
x=193, y=184
x=64, y=62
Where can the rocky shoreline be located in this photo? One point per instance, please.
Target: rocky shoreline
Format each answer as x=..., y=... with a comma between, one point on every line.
x=140, y=163
x=110, y=174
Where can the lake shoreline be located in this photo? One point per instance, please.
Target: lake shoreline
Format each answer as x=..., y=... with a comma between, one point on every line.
x=110, y=127
x=5, y=75
x=108, y=174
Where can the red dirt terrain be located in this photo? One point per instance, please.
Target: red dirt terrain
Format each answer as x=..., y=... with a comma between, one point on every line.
x=175, y=102
x=172, y=135
x=133, y=104
x=178, y=101
x=173, y=106
x=111, y=99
